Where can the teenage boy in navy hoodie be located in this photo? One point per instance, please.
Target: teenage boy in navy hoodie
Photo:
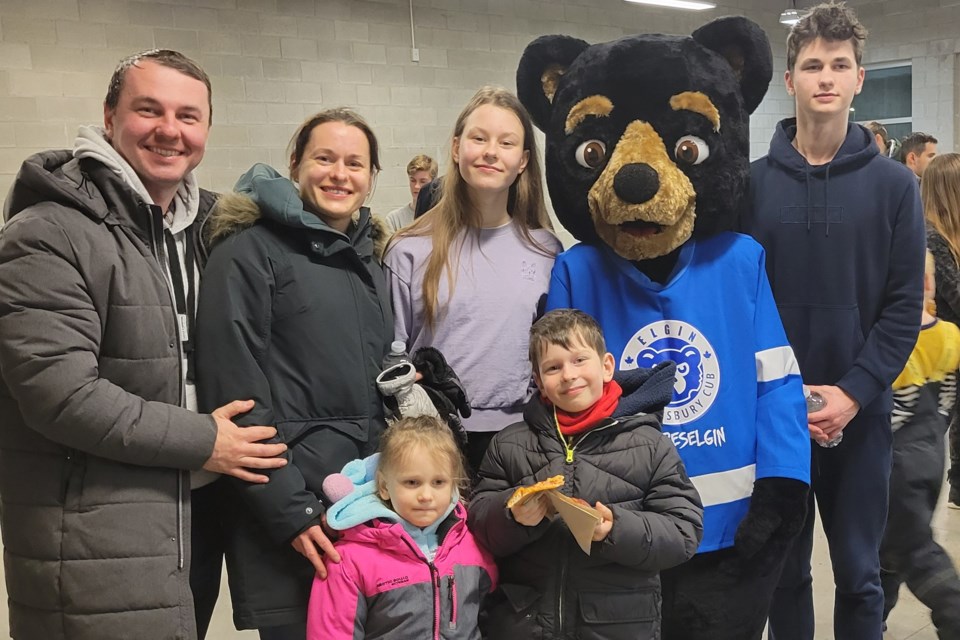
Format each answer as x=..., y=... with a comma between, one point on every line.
x=843, y=231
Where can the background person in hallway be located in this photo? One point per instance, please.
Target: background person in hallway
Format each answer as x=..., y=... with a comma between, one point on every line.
x=917, y=150
x=940, y=190
x=99, y=429
x=843, y=231
x=881, y=136
x=923, y=396
x=420, y=171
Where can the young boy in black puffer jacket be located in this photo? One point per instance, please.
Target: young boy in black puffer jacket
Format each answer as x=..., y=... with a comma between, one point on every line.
x=604, y=437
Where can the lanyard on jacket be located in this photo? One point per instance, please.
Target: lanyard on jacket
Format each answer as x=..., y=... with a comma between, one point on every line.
x=185, y=300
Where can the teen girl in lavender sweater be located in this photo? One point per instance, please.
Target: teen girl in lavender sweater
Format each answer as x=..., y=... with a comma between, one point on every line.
x=467, y=276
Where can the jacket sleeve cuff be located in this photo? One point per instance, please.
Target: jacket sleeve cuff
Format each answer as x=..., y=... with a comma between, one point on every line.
x=312, y=516
x=209, y=436
x=861, y=386
x=189, y=448
x=313, y=522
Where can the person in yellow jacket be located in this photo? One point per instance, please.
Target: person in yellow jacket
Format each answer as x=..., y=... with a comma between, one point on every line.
x=923, y=396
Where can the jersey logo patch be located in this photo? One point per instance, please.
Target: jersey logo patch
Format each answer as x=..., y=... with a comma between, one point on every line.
x=698, y=372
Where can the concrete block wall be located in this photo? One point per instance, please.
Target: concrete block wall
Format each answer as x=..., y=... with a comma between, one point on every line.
x=273, y=62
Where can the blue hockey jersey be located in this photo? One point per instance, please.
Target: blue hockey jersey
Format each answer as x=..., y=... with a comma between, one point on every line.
x=737, y=412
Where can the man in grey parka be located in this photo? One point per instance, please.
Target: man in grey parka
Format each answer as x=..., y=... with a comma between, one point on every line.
x=99, y=265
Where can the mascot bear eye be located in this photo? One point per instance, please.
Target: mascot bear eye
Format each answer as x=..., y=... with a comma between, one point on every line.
x=591, y=154
x=691, y=150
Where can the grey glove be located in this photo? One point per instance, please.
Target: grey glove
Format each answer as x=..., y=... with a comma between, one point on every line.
x=413, y=401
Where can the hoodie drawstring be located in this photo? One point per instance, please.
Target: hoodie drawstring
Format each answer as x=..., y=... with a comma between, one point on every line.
x=826, y=199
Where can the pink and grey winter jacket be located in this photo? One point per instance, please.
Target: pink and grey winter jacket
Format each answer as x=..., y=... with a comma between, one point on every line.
x=384, y=586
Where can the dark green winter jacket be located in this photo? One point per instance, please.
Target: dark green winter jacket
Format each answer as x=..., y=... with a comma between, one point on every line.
x=296, y=316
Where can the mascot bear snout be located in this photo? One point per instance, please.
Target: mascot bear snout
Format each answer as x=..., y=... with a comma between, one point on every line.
x=636, y=183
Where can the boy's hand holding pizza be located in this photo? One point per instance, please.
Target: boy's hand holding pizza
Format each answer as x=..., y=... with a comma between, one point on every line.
x=529, y=505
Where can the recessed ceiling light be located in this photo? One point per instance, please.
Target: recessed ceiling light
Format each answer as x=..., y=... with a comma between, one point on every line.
x=692, y=5
x=789, y=17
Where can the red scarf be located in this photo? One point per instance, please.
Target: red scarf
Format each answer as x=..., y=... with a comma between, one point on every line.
x=572, y=424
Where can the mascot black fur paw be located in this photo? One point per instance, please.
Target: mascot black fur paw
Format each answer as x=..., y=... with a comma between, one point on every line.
x=647, y=156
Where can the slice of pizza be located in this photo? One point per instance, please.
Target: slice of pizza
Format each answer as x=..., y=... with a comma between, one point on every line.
x=522, y=493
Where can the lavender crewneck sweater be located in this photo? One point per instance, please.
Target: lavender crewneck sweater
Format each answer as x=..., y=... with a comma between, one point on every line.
x=484, y=329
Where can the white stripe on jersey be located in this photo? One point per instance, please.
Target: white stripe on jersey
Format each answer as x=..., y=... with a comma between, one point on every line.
x=725, y=486
x=776, y=363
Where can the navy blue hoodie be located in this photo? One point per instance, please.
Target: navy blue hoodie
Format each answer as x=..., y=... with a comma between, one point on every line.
x=845, y=252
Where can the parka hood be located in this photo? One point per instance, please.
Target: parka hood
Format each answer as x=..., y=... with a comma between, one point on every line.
x=356, y=500
x=263, y=193
x=92, y=142
x=54, y=176
x=85, y=183
x=362, y=503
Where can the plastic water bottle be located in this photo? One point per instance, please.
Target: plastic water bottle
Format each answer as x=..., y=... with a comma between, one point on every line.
x=398, y=354
x=815, y=402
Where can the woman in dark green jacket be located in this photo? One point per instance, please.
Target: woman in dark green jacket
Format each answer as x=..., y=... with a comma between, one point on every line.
x=294, y=314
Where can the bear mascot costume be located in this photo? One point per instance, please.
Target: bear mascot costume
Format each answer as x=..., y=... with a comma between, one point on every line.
x=647, y=165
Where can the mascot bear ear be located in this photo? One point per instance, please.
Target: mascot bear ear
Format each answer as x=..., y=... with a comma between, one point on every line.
x=746, y=47
x=543, y=62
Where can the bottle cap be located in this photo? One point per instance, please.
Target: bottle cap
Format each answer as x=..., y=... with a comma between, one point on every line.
x=398, y=346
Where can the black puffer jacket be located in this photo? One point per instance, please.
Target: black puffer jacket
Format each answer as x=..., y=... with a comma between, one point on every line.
x=549, y=587
x=296, y=316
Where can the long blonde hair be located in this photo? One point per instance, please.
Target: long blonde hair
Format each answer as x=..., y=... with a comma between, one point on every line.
x=455, y=211
x=940, y=190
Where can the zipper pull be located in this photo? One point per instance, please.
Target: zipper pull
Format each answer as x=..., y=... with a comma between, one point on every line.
x=452, y=595
x=437, y=601
x=563, y=439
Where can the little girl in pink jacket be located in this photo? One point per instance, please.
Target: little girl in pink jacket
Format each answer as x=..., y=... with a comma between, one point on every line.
x=405, y=549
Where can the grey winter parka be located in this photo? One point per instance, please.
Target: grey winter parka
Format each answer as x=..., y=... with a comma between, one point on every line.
x=94, y=447
x=548, y=587
x=296, y=316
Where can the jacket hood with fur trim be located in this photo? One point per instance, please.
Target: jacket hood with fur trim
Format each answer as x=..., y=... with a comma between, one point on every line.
x=262, y=193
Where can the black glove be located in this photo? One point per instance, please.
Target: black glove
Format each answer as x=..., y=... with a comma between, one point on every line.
x=444, y=389
x=777, y=512
x=438, y=376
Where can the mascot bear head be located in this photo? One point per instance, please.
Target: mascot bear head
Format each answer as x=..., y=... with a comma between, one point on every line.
x=647, y=137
